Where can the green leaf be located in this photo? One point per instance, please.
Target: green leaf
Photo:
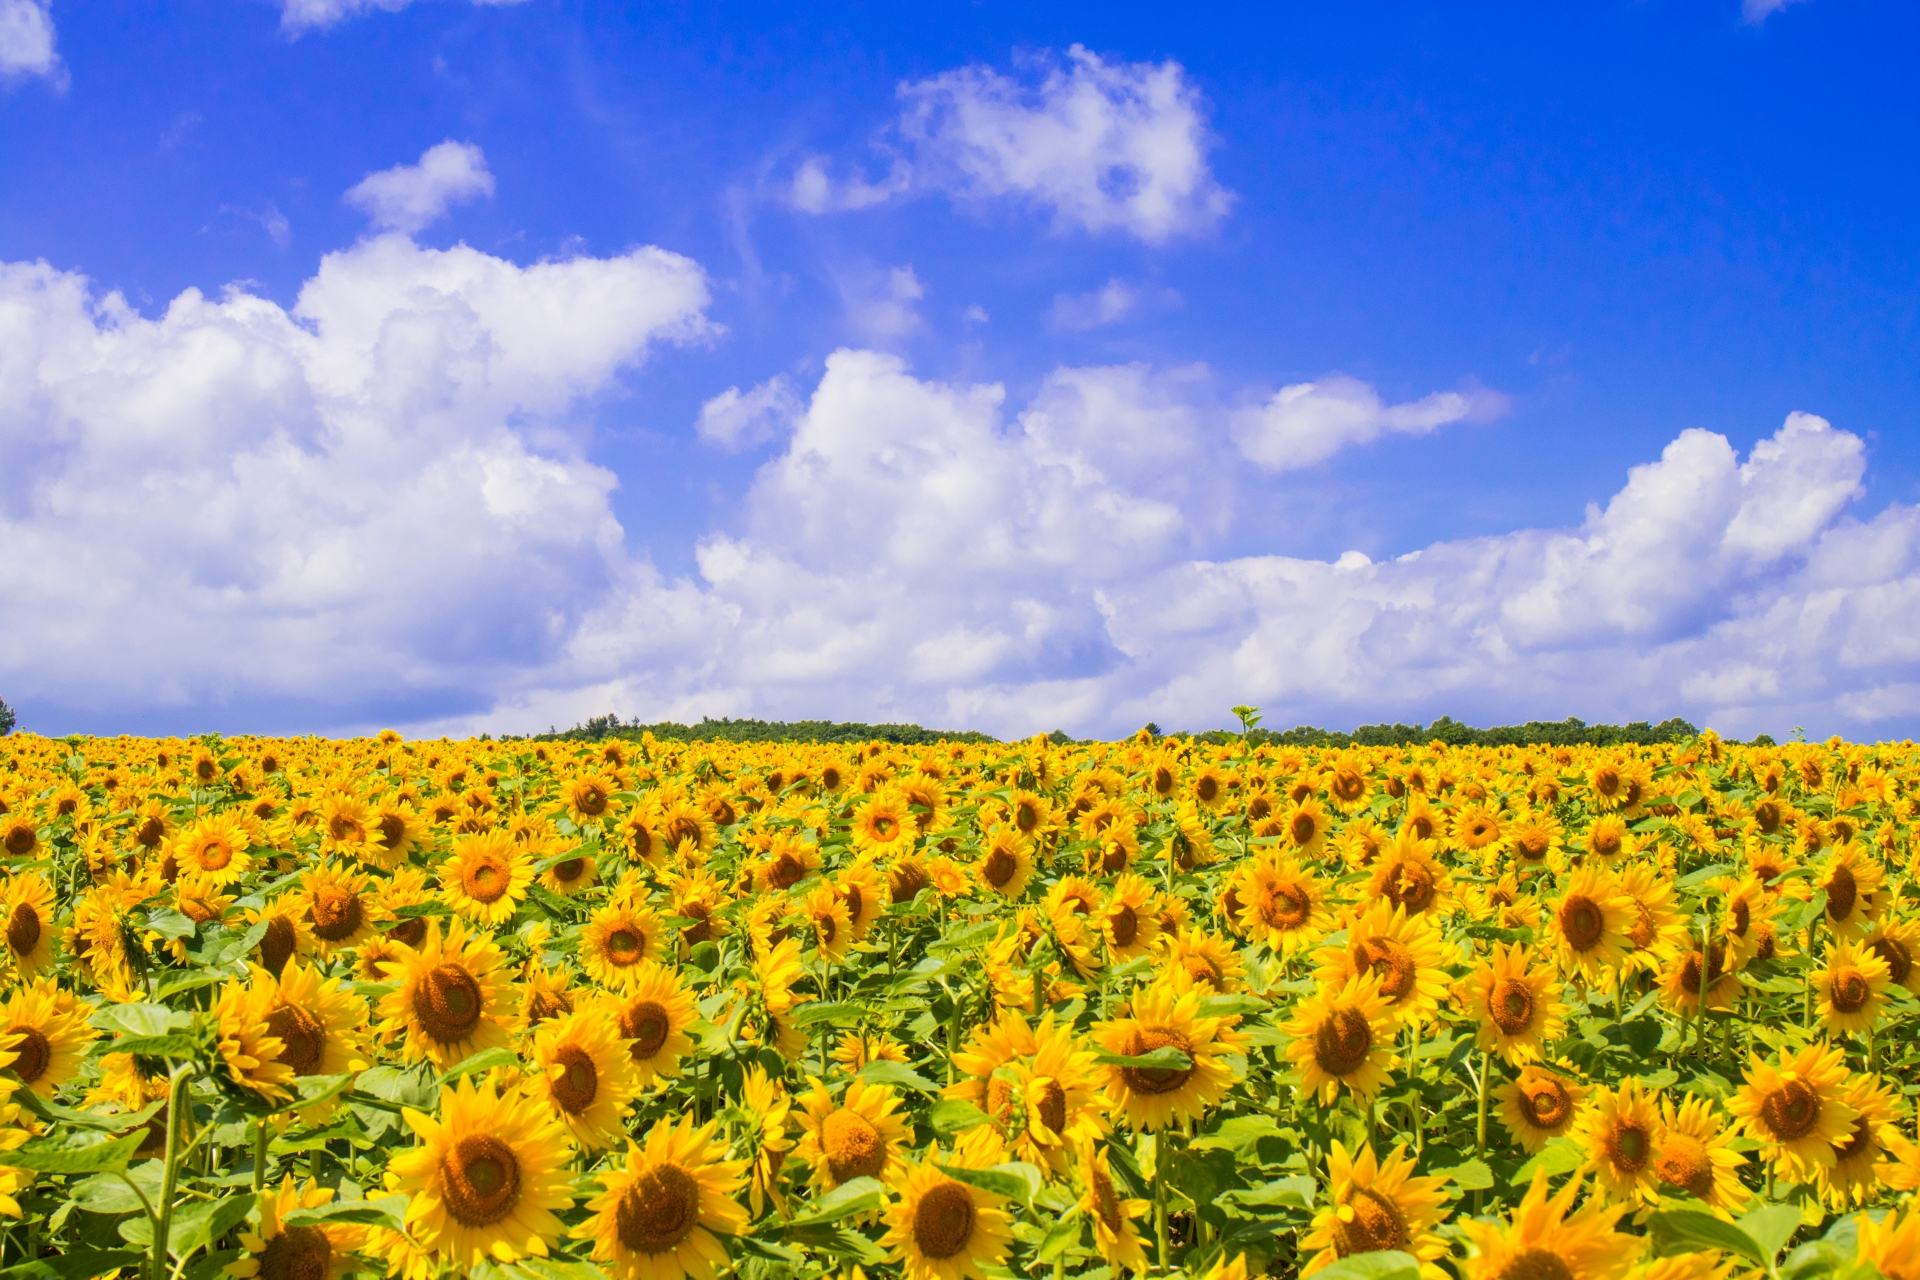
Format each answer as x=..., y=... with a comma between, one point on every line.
x=839, y=1013
x=954, y=1115
x=1704, y=874
x=76, y=1264
x=1001, y=1181
x=417, y=909
x=404, y=1088
x=389, y=1212
x=169, y=923
x=1165, y=1058
x=1386, y=1264
x=50, y=1157
x=141, y=1019
x=486, y=1060
x=317, y=1089
x=1293, y=1192
x=1061, y=1236
x=1771, y=1226
x=897, y=1074
x=1557, y=1157
x=858, y=1195
x=108, y=1193
x=1681, y=1230
x=116, y=1124
x=156, y=1046
x=196, y=1225
x=755, y=1247
x=191, y=981
x=1471, y=1176
x=1240, y=1006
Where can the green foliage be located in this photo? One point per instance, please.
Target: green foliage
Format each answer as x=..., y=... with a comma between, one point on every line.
x=7, y=718
x=729, y=730
x=1570, y=732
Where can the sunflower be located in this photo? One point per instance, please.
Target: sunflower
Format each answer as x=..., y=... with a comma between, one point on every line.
x=860, y=1136
x=250, y=1052
x=584, y=1074
x=617, y=940
x=1853, y=881
x=1282, y=905
x=1540, y=1104
x=590, y=797
x=1405, y=952
x=1304, y=828
x=855, y=1049
x=1045, y=1099
x=1343, y=1036
x=826, y=915
x=1516, y=1004
x=1111, y=1213
x=1897, y=942
x=1852, y=988
x=1590, y=924
x=215, y=848
x=1166, y=1014
x=1544, y=1240
x=486, y=877
x=288, y=934
x=1474, y=828
x=942, y=1229
x=988, y=1048
x=46, y=1031
x=393, y=830
x=1797, y=1108
x=884, y=825
x=657, y=1218
x=337, y=914
x=1892, y=1244
x=1006, y=862
x=1207, y=959
x=768, y=1106
x=863, y=889
x=1537, y=839
x=1376, y=1205
x=319, y=1022
x=571, y=875
x=1126, y=921
x=1408, y=875
x=1619, y=1133
x=1609, y=841
x=27, y=902
x=19, y=835
x=787, y=861
x=653, y=1018
x=487, y=1177
x=450, y=999
x=1680, y=987
x=1694, y=1155
x=1860, y=1161
x=1656, y=925
x=1747, y=914
x=274, y=1250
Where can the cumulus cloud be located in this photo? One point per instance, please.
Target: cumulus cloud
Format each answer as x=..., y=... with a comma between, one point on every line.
x=409, y=197
x=372, y=504
x=27, y=45
x=1309, y=422
x=1101, y=146
x=737, y=419
x=297, y=16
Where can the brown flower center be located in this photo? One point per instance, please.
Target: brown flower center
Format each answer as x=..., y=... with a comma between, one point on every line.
x=1582, y=922
x=1843, y=891
x=301, y=1034
x=590, y=800
x=1858, y=1143
x=23, y=929
x=1510, y=1005
x=277, y=947
x=576, y=1085
x=852, y=1146
x=297, y=1253
x=659, y=1210
x=1368, y=1223
x=335, y=913
x=786, y=871
x=447, y=1003
x=943, y=1220
x=1342, y=1042
x=1897, y=955
x=1049, y=1104
x=1303, y=827
x=1393, y=962
x=1156, y=1080
x=480, y=1180
x=1105, y=1202
x=1536, y=1264
x=1629, y=1145
x=215, y=855
x=1683, y=1162
x=645, y=1022
x=570, y=870
x=1546, y=1103
x=624, y=946
x=1410, y=885
x=999, y=868
x=486, y=879
x=1849, y=991
x=1123, y=925
x=409, y=932
x=547, y=1004
x=1791, y=1111
x=907, y=880
x=32, y=1055
x=1285, y=906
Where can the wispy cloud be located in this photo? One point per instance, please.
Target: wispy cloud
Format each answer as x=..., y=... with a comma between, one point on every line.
x=410, y=197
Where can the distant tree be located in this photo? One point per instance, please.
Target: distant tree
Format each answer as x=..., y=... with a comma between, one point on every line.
x=7, y=719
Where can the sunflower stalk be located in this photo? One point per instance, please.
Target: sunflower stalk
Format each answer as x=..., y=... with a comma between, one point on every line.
x=259, y=1154
x=1480, y=1120
x=177, y=1093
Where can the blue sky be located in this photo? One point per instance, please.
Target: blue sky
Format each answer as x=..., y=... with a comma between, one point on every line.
x=1142, y=326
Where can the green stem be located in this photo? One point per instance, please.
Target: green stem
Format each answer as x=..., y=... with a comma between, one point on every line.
x=1706, y=969
x=259, y=1154
x=1480, y=1120
x=177, y=1103
x=1160, y=1197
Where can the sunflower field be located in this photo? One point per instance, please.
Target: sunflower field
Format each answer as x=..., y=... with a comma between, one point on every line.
x=299, y=1009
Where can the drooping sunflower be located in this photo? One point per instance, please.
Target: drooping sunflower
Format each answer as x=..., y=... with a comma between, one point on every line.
x=1545, y=1238
x=1851, y=990
x=617, y=940
x=1408, y=875
x=1404, y=951
x=321, y=1251
x=653, y=1018
x=863, y=889
x=1860, y=1162
x=1111, y=1213
x=486, y=877
x=1797, y=1108
x=1515, y=1003
x=214, y=848
x=1747, y=914
x=942, y=1229
x=451, y=998
x=487, y=1177
x=1619, y=1133
x=858, y=1136
x=583, y=1072
x=249, y=1051
x=46, y=1031
x=1694, y=1155
x=1166, y=1014
x=1375, y=1205
x=1590, y=922
x=1539, y=1105
x=1343, y=1036
x=1282, y=905
x=1126, y=920
x=769, y=1107
x=27, y=904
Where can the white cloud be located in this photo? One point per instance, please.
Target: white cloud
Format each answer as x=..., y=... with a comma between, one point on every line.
x=376, y=500
x=297, y=16
x=1112, y=302
x=882, y=305
x=1757, y=11
x=408, y=197
x=1309, y=422
x=737, y=419
x=27, y=44
x=1102, y=146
